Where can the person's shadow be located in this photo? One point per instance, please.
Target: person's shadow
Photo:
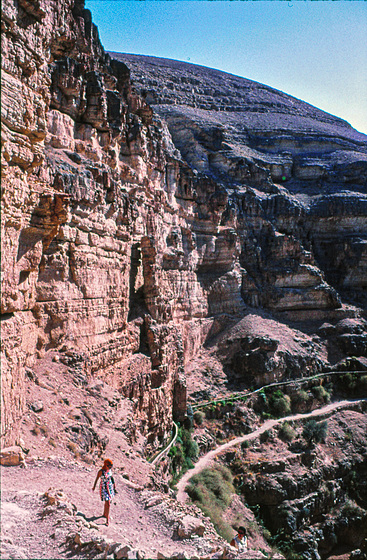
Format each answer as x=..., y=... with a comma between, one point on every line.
x=89, y=519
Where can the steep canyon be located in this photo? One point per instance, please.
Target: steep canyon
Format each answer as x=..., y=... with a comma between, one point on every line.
x=151, y=206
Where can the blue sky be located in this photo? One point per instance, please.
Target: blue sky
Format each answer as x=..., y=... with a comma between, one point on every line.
x=313, y=50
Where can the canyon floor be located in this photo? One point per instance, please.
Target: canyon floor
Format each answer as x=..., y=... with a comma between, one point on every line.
x=141, y=518
x=208, y=458
x=26, y=534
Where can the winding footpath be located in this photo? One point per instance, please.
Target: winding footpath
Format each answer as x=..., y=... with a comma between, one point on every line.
x=208, y=458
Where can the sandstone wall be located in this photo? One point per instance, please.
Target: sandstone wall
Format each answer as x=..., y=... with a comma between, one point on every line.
x=86, y=211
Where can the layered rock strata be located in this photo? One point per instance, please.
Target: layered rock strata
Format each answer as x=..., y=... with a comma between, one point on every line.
x=124, y=238
x=295, y=178
x=84, y=207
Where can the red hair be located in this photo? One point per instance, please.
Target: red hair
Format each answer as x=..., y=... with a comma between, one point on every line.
x=107, y=464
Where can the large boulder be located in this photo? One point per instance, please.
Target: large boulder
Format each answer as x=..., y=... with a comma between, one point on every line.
x=12, y=456
x=189, y=526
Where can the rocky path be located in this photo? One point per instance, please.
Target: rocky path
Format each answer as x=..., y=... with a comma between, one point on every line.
x=26, y=533
x=208, y=458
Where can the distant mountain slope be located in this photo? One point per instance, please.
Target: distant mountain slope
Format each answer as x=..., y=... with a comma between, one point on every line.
x=225, y=118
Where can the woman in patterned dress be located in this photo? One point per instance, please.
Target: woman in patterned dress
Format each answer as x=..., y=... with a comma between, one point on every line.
x=107, y=488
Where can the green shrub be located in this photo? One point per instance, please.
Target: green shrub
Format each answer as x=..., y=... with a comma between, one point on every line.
x=301, y=397
x=286, y=432
x=266, y=534
x=283, y=542
x=199, y=417
x=214, y=482
x=184, y=452
x=314, y=432
x=262, y=397
x=190, y=447
x=177, y=457
x=349, y=382
x=212, y=491
x=321, y=393
x=280, y=404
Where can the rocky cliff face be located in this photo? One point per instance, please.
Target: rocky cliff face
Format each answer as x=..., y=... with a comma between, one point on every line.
x=129, y=235
x=314, y=498
x=84, y=213
x=295, y=179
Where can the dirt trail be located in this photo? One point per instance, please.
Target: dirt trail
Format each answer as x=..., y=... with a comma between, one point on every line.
x=208, y=458
x=131, y=522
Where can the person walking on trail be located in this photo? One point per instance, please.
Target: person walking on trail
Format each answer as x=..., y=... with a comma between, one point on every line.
x=107, y=488
x=240, y=540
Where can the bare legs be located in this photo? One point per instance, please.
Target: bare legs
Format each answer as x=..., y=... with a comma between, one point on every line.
x=106, y=511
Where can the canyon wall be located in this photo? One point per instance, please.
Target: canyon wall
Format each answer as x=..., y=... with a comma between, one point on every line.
x=85, y=209
x=127, y=232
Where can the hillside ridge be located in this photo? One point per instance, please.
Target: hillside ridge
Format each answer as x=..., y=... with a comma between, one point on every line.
x=201, y=69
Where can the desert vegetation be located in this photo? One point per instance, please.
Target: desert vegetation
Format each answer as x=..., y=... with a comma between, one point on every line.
x=314, y=432
x=212, y=490
x=183, y=453
x=286, y=432
x=200, y=227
